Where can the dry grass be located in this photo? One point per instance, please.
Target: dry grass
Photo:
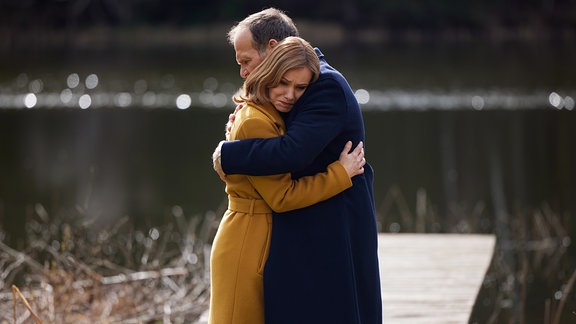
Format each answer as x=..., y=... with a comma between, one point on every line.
x=71, y=273
x=533, y=272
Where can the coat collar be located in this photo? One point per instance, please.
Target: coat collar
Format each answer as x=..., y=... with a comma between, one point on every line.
x=271, y=113
x=319, y=53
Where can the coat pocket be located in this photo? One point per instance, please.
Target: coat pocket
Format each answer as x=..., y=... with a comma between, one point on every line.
x=266, y=247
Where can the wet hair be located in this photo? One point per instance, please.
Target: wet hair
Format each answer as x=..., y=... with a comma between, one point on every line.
x=265, y=25
x=290, y=53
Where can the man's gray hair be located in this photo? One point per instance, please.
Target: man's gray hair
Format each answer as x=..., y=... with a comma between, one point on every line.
x=265, y=25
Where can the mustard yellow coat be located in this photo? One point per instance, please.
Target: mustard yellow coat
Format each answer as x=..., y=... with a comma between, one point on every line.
x=242, y=242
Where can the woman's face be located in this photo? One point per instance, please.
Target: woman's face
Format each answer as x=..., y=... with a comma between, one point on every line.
x=291, y=87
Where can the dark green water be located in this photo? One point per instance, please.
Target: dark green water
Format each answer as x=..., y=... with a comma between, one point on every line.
x=140, y=162
x=478, y=131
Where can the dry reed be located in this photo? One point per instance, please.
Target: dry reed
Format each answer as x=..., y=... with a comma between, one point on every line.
x=71, y=273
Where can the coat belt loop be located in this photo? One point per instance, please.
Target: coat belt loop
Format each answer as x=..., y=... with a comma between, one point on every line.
x=252, y=202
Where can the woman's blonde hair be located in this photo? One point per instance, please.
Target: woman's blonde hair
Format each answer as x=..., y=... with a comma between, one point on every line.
x=290, y=53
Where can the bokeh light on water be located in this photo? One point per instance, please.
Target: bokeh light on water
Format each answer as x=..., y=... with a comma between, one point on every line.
x=91, y=81
x=91, y=93
x=183, y=101
x=73, y=80
x=85, y=101
x=422, y=100
x=30, y=100
x=559, y=102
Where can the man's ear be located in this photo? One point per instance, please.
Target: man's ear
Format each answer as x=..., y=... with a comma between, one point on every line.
x=272, y=43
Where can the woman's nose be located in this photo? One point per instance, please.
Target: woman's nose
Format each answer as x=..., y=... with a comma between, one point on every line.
x=289, y=93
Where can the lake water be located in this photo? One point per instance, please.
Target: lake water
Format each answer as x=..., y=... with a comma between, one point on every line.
x=458, y=135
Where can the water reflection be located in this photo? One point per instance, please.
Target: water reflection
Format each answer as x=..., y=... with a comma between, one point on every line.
x=558, y=102
x=123, y=99
x=215, y=96
x=36, y=86
x=73, y=80
x=66, y=96
x=363, y=96
x=85, y=101
x=30, y=100
x=91, y=81
x=477, y=100
x=127, y=154
x=183, y=101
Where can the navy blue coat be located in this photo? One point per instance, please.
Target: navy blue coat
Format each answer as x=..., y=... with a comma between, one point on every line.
x=323, y=262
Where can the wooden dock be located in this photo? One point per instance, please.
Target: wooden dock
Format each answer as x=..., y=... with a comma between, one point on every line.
x=430, y=278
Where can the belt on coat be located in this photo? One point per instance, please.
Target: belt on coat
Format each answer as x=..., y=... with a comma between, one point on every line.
x=248, y=205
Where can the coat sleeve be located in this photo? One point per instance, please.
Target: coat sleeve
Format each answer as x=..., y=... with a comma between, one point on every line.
x=280, y=191
x=320, y=119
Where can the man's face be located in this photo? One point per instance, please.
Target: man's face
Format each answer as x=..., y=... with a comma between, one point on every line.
x=247, y=56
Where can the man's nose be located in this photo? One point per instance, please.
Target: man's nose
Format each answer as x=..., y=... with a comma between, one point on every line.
x=244, y=72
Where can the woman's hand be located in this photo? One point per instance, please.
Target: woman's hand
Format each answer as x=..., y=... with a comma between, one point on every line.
x=354, y=161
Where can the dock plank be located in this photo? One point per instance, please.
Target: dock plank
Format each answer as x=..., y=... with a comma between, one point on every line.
x=432, y=278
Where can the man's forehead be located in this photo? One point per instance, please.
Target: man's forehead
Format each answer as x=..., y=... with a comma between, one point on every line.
x=245, y=54
x=244, y=45
x=245, y=51
x=243, y=37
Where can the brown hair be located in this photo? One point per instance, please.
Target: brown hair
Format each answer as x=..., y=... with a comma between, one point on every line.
x=291, y=53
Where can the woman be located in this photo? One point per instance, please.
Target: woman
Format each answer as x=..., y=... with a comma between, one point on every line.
x=241, y=244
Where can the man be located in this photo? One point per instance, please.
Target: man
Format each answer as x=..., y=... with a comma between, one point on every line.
x=323, y=261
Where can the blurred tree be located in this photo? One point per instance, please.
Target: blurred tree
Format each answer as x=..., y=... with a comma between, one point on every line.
x=477, y=16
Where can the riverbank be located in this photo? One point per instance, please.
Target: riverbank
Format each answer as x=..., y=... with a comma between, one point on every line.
x=13, y=40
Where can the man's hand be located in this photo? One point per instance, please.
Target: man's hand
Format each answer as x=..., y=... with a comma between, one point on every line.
x=216, y=161
x=230, y=122
x=354, y=161
x=216, y=155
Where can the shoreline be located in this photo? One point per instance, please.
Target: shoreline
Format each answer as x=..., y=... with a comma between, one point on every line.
x=214, y=37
